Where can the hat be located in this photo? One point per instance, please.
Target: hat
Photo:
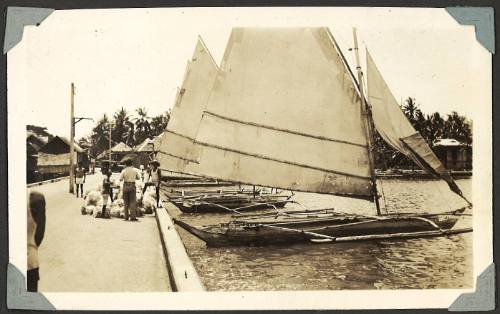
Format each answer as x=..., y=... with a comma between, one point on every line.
x=155, y=162
x=127, y=160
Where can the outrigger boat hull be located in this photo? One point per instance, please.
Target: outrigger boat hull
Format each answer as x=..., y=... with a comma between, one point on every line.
x=335, y=229
x=225, y=206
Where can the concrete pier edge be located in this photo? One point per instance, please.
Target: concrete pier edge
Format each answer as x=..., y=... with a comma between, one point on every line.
x=183, y=275
x=46, y=181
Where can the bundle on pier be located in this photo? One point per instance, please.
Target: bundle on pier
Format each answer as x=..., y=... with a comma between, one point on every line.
x=93, y=203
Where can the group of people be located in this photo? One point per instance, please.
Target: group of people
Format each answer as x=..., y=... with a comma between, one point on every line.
x=129, y=175
x=36, y=206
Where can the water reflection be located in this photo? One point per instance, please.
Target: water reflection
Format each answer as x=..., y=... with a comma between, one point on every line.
x=444, y=262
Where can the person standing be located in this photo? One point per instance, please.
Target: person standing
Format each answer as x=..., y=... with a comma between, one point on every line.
x=128, y=176
x=110, y=187
x=36, y=231
x=107, y=192
x=80, y=177
x=154, y=180
x=141, y=169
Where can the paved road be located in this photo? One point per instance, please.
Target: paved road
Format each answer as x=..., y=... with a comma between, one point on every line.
x=84, y=254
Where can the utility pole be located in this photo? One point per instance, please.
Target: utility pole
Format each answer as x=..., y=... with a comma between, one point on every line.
x=368, y=122
x=110, y=124
x=71, y=143
x=74, y=120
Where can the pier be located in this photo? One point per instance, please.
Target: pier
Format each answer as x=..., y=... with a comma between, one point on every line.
x=80, y=253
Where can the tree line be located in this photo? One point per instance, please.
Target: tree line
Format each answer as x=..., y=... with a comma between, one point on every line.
x=432, y=127
x=133, y=128
x=129, y=128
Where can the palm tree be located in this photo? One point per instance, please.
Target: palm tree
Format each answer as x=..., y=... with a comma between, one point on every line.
x=100, y=136
x=120, y=128
x=142, y=126
x=457, y=127
x=436, y=126
x=128, y=136
x=411, y=110
x=159, y=123
x=85, y=142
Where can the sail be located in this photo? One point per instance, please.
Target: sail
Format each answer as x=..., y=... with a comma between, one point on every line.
x=284, y=112
x=393, y=126
x=177, y=151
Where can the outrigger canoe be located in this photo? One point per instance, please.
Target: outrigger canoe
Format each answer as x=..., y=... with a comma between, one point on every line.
x=329, y=228
x=229, y=203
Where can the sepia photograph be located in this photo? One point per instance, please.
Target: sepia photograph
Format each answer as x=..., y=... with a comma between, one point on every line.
x=313, y=158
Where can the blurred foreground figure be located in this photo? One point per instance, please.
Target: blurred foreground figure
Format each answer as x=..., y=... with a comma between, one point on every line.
x=36, y=230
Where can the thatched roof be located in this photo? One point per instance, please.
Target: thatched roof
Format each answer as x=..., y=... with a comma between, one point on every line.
x=118, y=148
x=34, y=143
x=59, y=145
x=144, y=146
x=121, y=148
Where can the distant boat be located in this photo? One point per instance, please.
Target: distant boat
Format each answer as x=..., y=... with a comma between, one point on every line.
x=420, y=174
x=225, y=202
x=286, y=111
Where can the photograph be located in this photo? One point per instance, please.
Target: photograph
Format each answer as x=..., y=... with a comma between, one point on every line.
x=310, y=158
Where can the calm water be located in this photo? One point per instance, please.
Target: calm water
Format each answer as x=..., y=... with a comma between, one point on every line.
x=444, y=262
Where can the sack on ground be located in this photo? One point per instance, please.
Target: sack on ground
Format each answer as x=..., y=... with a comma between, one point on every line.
x=92, y=203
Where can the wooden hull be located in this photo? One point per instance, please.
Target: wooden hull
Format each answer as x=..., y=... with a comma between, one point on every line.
x=187, y=183
x=225, y=205
x=345, y=228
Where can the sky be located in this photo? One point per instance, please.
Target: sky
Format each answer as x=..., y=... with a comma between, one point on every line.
x=134, y=58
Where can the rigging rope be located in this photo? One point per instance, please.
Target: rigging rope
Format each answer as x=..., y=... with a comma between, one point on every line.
x=383, y=196
x=440, y=192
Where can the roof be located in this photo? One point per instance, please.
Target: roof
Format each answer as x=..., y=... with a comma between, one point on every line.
x=118, y=148
x=157, y=139
x=75, y=144
x=54, y=146
x=34, y=141
x=121, y=147
x=448, y=142
x=144, y=146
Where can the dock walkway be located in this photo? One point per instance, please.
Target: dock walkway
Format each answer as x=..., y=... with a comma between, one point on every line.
x=80, y=253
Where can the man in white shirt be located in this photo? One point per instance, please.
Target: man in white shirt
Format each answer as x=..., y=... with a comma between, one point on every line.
x=128, y=176
x=154, y=175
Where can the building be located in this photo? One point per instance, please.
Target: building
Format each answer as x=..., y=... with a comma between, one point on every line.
x=33, y=145
x=53, y=157
x=453, y=154
x=118, y=151
x=146, y=151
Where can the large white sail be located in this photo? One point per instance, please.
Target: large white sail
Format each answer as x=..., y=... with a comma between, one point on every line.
x=284, y=112
x=177, y=151
x=393, y=126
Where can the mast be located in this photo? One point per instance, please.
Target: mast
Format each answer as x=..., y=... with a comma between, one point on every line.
x=368, y=122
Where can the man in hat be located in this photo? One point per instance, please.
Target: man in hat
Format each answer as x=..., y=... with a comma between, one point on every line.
x=128, y=176
x=154, y=176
